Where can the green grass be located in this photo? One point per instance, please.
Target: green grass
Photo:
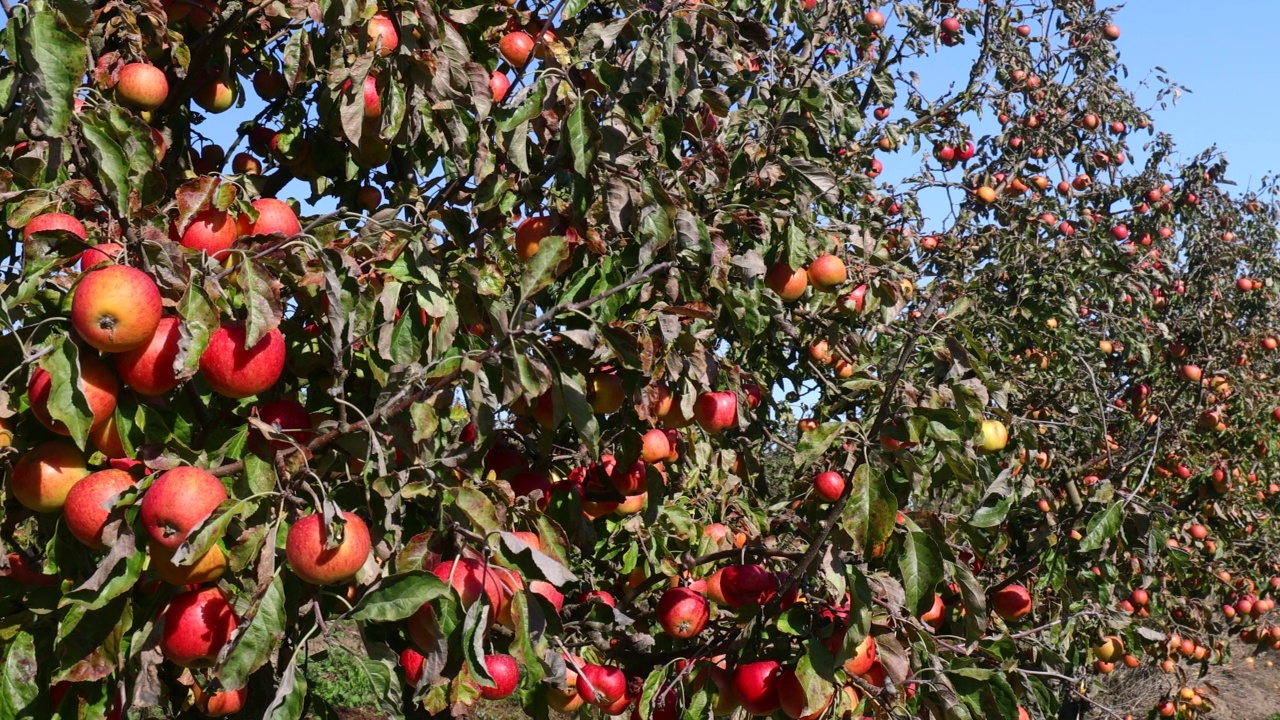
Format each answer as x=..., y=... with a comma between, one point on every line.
x=336, y=678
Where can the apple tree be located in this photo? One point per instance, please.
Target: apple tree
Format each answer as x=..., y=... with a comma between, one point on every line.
x=828, y=358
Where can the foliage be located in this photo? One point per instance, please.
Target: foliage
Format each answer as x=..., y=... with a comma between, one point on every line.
x=1047, y=262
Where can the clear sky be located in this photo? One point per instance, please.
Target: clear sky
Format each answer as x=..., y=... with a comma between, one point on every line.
x=1226, y=53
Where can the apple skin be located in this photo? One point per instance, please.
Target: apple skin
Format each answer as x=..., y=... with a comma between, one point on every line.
x=746, y=584
x=274, y=216
x=196, y=626
x=716, y=411
x=470, y=579
x=236, y=372
x=530, y=233
x=220, y=703
x=829, y=486
x=101, y=389
x=655, y=446
x=44, y=476
x=602, y=685
x=516, y=48
x=215, y=96
x=499, y=84
x=100, y=254
x=827, y=272
x=382, y=28
x=178, y=501
x=787, y=283
x=53, y=221
x=525, y=482
x=87, y=506
x=311, y=561
x=288, y=416
x=207, y=569
x=1012, y=602
x=605, y=391
x=22, y=573
x=116, y=308
x=548, y=591
x=682, y=612
x=212, y=231
x=142, y=86
x=793, y=699
x=936, y=615
x=411, y=660
x=506, y=676
x=148, y=369
x=631, y=479
x=992, y=437
x=756, y=687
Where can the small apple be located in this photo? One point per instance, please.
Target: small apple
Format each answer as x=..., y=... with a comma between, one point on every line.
x=789, y=284
x=655, y=446
x=53, y=221
x=208, y=568
x=827, y=272
x=499, y=84
x=516, y=48
x=274, y=216
x=215, y=96
x=220, y=703
x=100, y=254
x=311, y=558
x=794, y=700
x=605, y=391
x=1012, y=602
x=148, y=368
x=506, y=676
x=829, y=486
x=141, y=86
x=756, y=687
x=116, y=308
x=682, y=612
x=382, y=33
x=235, y=371
x=88, y=504
x=530, y=234
x=992, y=437
x=602, y=685
x=716, y=411
x=44, y=476
x=212, y=231
x=196, y=625
x=471, y=578
x=177, y=502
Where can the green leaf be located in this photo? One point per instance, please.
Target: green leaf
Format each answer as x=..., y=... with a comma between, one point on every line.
x=815, y=443
x=261, y=637
x=400, y=596
x=56, y=59
x=67, y=401
x=921, y=566
x=199, y=545
x=534, y=562
x=19, y=687
x=1102, y=527
x=478, y=509
x=870, y=514
x=540, y=271
x=580, y=139
x=108, y=158
x=291, y=692
x=261, y=295
x=199, y=321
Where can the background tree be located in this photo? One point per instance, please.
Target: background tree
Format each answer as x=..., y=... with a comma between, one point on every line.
x=620, y=377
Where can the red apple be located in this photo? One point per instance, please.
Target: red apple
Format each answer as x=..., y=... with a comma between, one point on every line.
x=53, y=221
x=827, y=272
x=789, y=284
x=196, y=626
x=746, y=585
x=116, y=308
x=829, y=486
x=177, y=502
x=682, y=612
x=100, y=254
x=516, y=48
x=525, y=482
x=220, y=703
x=142, y=86
x=530, y=234
x=148, y=369
x=88, y=504
x=756, y=687
x=716, y=411
x=215, y=96
x=286, y=416
x=655, y=446
x=100, y=386
x=274, y=216
x=1012, y=602
x=794, y=700
x=602, y=685
x=411, y=660
x=314, y=562
x=382, y=33
x=471, y=578
x=45, y=475
x=212, y=231
x=506, y=676
x=499, y=84
x=235, y=371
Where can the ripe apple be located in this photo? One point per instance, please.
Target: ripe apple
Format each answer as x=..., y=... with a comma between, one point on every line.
x=314, y=562
x=197, y=624
x=382, y=33
x=245, y=164
x=100, y=386
x=211, y=231
x=756, y=687
x=274, y=216
x=741, y=585
x=220, y=703
x=177, y=502
x=23, y=573
x=372, y=101
x=287, y=416
x=787, y=283
x=235, y=371
x=499, y=84
x=874, y=19
x=827, y=272
x=116, y=308
x=630, y=479
x=682, y=612
x=470, y=578
x=530, y=234
x=1110, y=649
x=1190, y=373
x=605, y=391
x=369, y=198
x=794, y=700
x=1012, y=602
x=716, y=411
x=141, y=86
x=602, y=685
x=100, y=254
x=516, y=48
x=208, y=568
x=215, y=96
x=148, y=368
x=655, y=446
x=549, y=592
x=525, y=482
x=506, y=676
x=89, y=502
x=45, y=475
x=829, y=486
x=992, y=437
x=53, y=221
x=269, y=83
x=411, y=660
x=1199, y=532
